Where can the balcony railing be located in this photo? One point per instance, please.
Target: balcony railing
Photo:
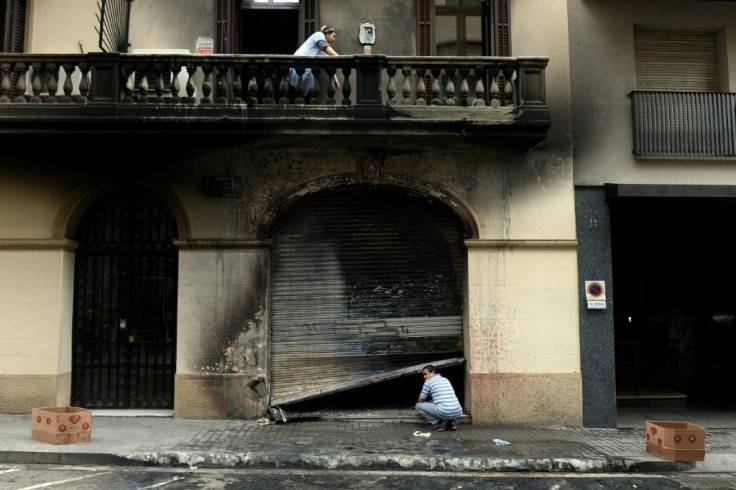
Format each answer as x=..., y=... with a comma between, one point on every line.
x=477, y=91
x=684, y=124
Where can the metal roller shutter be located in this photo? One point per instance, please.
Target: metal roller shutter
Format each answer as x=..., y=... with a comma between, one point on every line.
x=367, y=283
x=676, y=61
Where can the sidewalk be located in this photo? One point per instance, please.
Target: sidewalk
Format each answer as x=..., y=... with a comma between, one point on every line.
x=372, y=444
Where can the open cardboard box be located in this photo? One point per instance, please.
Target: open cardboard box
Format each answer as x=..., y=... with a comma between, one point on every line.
x=61, y=425
x=676, y=441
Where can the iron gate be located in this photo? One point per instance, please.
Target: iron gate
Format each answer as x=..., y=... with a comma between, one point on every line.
x=124, y=330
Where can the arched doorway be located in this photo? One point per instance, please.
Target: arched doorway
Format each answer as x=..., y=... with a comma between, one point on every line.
x=367, y=284
x=124, y=323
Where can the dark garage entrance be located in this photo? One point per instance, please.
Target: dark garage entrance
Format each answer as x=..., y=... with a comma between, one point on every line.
x=367, y=284
x=674, y=299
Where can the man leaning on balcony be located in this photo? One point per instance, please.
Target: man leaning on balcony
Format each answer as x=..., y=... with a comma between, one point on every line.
x=318, y=44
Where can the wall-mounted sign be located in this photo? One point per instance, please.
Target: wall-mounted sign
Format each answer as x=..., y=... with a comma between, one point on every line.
x=367, y=33
x=205, y=45
x=595, y=294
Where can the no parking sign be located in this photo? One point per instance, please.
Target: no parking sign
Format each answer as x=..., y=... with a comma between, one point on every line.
x=595, y=293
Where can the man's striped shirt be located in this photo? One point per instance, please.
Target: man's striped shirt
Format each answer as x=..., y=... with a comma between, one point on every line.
x=443, y=395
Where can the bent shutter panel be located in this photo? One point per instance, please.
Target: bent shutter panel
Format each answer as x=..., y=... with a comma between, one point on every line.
x=366, y=283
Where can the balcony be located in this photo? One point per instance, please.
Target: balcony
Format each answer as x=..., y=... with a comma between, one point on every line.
x=428, y=101
x=691, y=125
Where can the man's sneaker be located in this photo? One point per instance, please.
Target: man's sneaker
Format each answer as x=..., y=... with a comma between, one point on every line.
x=438, y=426
x=450, y=425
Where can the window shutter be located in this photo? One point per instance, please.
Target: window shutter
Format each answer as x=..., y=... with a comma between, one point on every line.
x=501, y=28
x=425, y=31
x=676, y=61
x=14, y=22
x=228, y=12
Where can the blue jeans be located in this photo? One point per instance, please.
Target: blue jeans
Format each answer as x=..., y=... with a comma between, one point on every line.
x=428, y=411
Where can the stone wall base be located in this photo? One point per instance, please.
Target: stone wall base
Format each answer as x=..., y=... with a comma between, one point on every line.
x=218, y=396
x=546, y=399
x=22, y=393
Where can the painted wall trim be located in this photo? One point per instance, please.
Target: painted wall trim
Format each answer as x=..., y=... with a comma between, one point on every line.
x=53, y=244
x=501, y=244
x=215, y=244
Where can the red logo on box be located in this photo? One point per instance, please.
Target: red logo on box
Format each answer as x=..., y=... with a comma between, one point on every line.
x=678, y=438
x=85, y=426
x=692, y=438
x=62, y=428
x=74, y=419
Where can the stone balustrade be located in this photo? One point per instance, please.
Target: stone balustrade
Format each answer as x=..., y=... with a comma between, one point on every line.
x=117, y=92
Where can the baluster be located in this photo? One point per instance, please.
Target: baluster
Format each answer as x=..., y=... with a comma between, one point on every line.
x=450, y=87
x=68, y=85
x=299, y=92
x=314, y=92
x=237, y=98
x=174, y=69
x=84, y=85
x=346, y=87
x=330, y=85
x=480, y=89
x=220, y=74
x=126, y=77
x=391, y=85
x=52, y=70
x=495, y=91
x=36, y=82
x=406, y=85
x=421, y=86
x=283, y=87
x=20, y=86
x=141, y=73
x=268, y=94
x=5, y=83
x=190, y=88
x=436, y=73
x=464, y=88
x=158, y=83
x=508, y=86
x=206, y=84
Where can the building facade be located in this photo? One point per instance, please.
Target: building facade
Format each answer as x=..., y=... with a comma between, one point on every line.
x=653, y=122
x=175, y=232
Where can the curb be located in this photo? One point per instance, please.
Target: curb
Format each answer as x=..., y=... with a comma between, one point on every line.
x=332, y=461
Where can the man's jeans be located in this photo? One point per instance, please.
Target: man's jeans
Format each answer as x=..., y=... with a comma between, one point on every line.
x=427, y=410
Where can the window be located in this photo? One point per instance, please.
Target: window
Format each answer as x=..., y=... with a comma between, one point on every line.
x=247, y=26
x=463, y=28
x=458, y=28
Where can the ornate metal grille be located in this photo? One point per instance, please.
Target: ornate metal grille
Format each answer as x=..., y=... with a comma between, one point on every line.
x=124, y=330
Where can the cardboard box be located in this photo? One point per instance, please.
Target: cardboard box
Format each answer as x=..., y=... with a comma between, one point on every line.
x=61, y=425
x=676, y=441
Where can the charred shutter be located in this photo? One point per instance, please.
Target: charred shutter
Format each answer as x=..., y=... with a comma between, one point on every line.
x=366, y=282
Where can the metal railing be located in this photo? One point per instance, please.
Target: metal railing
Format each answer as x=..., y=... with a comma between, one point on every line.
x=684, y=124
x=113, y=17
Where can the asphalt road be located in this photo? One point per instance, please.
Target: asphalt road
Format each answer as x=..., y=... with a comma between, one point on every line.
x=31, y=477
